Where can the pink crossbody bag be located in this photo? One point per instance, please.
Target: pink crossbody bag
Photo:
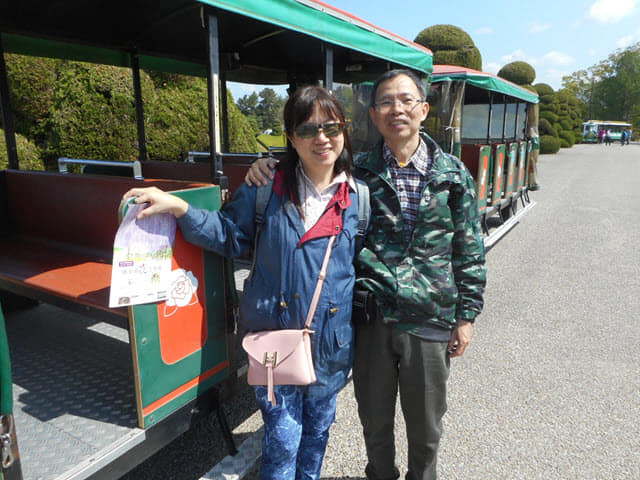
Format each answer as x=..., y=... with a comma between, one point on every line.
x=283, y=357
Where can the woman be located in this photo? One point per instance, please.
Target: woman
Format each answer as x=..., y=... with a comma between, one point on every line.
x=313, y=198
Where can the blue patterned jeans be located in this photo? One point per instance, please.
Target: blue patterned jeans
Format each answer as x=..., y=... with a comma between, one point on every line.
x=296, y=430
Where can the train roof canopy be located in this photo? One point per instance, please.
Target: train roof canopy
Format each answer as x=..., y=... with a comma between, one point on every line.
x=263, y=41
x=484, y=80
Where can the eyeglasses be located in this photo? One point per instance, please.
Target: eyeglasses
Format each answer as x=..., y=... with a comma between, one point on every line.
x=406, y=103
x=310, y=130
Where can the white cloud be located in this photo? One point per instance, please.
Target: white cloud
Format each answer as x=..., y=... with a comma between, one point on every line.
x=493, y=67
x=536, y=27
x=484, y=30
x=557, y=58
x=552, y=76
x=611, y=11
x=629, y=39
x=518, y=55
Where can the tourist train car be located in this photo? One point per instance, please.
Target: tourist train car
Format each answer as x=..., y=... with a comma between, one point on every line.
x=95, y=390
x=591, y=128
x=491, y=124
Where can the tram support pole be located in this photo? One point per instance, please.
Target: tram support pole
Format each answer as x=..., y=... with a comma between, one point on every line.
x=137, y=92
x=225, y=113
x=7, y=113
x=328, y=67
x=213, y=83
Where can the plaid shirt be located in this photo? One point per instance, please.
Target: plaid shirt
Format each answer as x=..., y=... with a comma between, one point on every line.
x=409, y=182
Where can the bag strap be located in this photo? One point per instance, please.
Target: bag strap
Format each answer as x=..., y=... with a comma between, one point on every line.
x=321, y=276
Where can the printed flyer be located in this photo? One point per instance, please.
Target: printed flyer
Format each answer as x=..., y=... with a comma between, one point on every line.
x=142, y=249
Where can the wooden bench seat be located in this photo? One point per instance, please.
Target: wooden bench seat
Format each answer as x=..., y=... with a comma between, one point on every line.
x=56, y=236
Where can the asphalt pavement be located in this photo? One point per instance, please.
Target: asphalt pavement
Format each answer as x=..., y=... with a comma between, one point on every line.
x=550, y=387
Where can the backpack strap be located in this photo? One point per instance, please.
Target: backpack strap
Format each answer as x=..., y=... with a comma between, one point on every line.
x=263, y=195
x=364, y=211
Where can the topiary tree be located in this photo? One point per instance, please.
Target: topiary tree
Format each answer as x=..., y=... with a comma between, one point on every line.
x=543, y=89
x=549, y=144
x=546, y=128
x=568, y=137
x=450, y=46
x=520, y=73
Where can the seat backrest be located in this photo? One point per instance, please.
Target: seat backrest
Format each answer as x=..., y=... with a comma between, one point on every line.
x=72, y=209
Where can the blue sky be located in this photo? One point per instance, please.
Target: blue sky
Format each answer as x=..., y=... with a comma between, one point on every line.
x=557, y=37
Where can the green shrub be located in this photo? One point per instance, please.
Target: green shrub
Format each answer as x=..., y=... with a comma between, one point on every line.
x=444, y=37
x=565, y=123
x=549, y=144
x=468, y=57
x=450, y=46
x=565, y=143
x=549, y=115
x=28, y=154
x=543, y=89
x=546, y=98
x=518, y=72
x=32, y=82
x=546, y=128
x=93, y=114
x=567, y=136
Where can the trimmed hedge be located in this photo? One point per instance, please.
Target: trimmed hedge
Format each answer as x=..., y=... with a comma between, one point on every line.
x=28, y=154
x=520, y=73
x=450, y=46
x=546, y=128
x=549, y=144
x=543, y=89
x=549, y=115
x=567, y=136
x=444, y=37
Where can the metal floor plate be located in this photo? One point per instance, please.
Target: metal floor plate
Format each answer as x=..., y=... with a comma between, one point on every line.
x=73, y=388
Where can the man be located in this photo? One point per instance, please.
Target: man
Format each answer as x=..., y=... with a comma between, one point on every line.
x=423, y=261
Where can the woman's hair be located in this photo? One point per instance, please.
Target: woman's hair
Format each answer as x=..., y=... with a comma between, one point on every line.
x=297, y=111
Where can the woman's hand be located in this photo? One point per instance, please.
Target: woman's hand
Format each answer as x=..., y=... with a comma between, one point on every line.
x=260, y=171
x=159, y=202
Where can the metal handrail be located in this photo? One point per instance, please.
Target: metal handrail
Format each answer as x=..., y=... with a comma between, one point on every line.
x=135, y=165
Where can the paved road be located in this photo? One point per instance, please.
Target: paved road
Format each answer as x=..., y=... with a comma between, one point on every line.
x=550, y=387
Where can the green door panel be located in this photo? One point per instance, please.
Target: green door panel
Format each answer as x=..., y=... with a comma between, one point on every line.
x=179, y=345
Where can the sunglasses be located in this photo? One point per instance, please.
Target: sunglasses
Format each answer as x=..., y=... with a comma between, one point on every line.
x=310, y=130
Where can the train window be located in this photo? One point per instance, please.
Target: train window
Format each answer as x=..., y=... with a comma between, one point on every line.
x=510, y=131
x=522, y=121
x=497, y=121
x=475, y=121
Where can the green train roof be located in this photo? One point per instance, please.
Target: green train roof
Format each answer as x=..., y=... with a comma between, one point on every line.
x=484, y=80
x=266, y=41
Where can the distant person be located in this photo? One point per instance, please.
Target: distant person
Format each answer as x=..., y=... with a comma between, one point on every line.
x=623, y=137
x=601, y=133
x=607, y=137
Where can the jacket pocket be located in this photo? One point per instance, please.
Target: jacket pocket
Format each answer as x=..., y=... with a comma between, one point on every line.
x=341, y=347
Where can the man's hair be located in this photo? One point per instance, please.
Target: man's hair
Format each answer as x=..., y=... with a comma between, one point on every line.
x=419, y=81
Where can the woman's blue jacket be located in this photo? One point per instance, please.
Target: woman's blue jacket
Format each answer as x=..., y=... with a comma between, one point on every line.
x=278, y=293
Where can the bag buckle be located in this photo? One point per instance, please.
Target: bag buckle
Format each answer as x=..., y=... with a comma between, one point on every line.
x=270, y=359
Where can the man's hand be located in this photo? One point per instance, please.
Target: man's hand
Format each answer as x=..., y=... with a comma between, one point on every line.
x=460, y=338
x=260, y=171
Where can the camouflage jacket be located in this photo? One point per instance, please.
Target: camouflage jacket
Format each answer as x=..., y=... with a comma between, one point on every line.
x=439, y=276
